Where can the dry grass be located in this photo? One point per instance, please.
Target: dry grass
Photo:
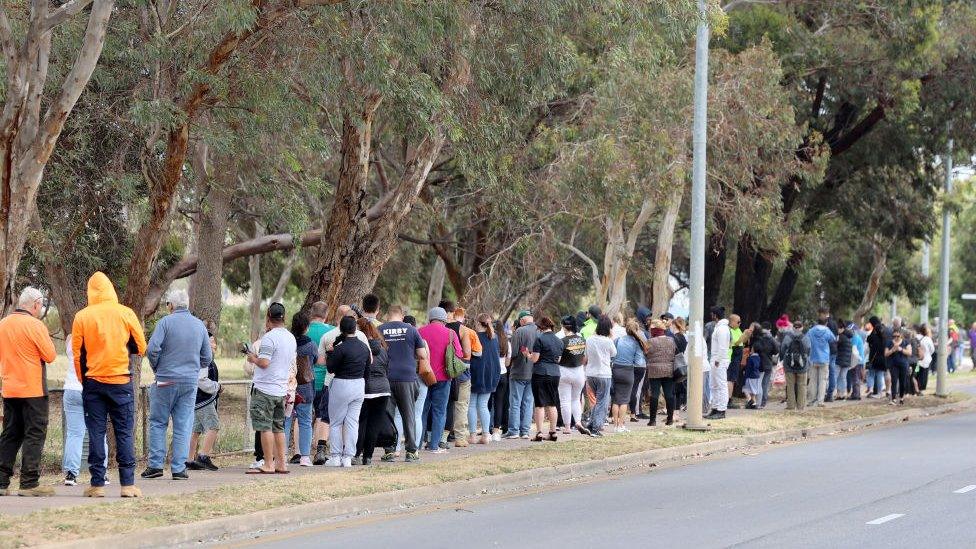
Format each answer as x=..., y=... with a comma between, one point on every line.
x=249, y=496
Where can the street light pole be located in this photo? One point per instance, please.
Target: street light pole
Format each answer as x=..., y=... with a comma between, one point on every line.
x=697, y=281
x=942, y=382
x=926, y=272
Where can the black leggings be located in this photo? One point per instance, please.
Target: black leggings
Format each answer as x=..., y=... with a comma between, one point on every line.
x=899, y=380
x=498, y=404
x=635, y=399
x=370, y=421
x=923, y=378
x=655, y=385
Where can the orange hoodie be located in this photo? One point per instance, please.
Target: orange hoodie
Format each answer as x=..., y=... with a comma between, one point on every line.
x=104, y=334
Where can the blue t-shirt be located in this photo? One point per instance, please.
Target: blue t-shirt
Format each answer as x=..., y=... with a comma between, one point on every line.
x=402, y=342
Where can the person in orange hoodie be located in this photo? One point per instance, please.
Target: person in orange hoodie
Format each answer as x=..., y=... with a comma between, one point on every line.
x=25, y=349
x=103, y=336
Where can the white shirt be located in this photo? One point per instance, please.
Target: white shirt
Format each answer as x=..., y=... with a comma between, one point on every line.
x=600, y=350
x=721, y=342
x=502, y=359
x=928, y=349
x=71, y=382
x=278, y=346
x=617, y=332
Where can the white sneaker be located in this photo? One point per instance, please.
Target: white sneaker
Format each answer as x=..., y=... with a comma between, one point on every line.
x=496, y=436
x=347, y=462
x=333, y=462
x=305, y=461
x=257, y=464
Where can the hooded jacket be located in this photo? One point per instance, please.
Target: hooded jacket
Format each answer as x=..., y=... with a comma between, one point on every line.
x=104, y=334
x=721, y=347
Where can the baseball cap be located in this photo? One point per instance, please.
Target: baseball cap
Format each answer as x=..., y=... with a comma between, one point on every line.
x=437, y=313
x=523, y=314
x=276, y=311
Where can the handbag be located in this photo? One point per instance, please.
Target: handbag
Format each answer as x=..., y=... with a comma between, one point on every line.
x=304, y=374
x=426, y=373
x=453, y=365
x=680, y=367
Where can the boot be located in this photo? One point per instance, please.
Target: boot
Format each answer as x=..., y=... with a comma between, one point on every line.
x=37, y=491
x=95, y=492
x=670, y=420
x=131, y=492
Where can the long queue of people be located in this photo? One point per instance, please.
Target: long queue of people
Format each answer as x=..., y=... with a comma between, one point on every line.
x=360, y=383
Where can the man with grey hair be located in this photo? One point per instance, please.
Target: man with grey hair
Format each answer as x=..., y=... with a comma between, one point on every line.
x=25, y=349
x=178, y=349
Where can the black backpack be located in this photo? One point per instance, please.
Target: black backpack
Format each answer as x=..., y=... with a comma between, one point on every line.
x=795, y=357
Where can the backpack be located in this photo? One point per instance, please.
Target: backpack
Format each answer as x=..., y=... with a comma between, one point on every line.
x=795, y=357
x=453, y=365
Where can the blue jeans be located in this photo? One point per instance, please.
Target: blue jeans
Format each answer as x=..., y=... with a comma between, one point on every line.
x=601, y=390
x=520, y=404
x=106, y=402
x=832, y=377
x=436, y=407
x=74, y=432
x=418, y=412
x=175, y=400
x=706, y=391
x=876, y=381
x=304, y=413
x=478, y=410
x=842, y=381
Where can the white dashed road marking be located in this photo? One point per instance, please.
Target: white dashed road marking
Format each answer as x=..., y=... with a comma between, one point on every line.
x=885, y=519
x=965, y=489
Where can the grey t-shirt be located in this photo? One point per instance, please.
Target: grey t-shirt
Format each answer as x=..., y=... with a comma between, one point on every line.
x=523, y=338
x=278, y=346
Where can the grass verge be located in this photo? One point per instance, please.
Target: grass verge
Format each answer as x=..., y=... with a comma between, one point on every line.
x=57, y=525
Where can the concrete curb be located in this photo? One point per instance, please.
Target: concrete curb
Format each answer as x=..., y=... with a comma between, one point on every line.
x=310, y=514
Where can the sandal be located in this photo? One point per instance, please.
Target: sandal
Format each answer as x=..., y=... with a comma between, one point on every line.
x=282, y=472
x=552, y=436
x=258, y=472
x=538, y=438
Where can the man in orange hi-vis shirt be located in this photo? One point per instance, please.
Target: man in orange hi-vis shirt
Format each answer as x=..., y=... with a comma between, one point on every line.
x=25, y=349
x=103, y=336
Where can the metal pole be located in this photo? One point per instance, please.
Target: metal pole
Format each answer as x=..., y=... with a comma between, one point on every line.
x=942, y=382
x=926, y=272
x=697, y=283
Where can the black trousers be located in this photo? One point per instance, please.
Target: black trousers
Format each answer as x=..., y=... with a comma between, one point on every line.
x=498, y=404
x=639, y=385
x=899, y=380
x=923, y=378
x=24, y=429
x=655, y=386
x=404, y=395
x=372, y=418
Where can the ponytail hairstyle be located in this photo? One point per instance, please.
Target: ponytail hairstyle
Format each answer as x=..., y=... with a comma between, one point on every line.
x=634, y=331
x=484, y=319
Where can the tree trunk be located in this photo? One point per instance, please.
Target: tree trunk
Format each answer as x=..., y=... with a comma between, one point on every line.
x=784, y=290
x=62, y=289
x=661, y=288
x=254, y=269
x=285, y=277
x=715, y=259
x=346, y=238
x=435, y=290
x=752, y=274
x=879, y=261
x=27, y=139
x=206, y=299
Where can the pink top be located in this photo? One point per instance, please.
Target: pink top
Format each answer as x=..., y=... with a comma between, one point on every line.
x=437, y=337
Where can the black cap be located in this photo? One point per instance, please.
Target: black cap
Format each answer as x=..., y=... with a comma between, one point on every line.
x=276, y=311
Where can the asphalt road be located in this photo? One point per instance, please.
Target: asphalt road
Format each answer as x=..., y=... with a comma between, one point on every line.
x=905, y=486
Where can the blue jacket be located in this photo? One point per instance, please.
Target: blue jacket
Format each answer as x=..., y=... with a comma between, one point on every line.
x=629, y=353
x=486, y=369
x=178, y=347
x=820, y=338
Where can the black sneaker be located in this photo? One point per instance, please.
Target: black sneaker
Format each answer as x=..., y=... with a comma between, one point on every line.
x=70, y=479
x=152, y=472
x=367, y=461
x=194, y=465
x=295, y=459
x=750, y=405
x=716, y=414
x=320, y=456
x=182, y=475
x=412, y=457
x=388, y=457
x=204, y=462
x=732, y=405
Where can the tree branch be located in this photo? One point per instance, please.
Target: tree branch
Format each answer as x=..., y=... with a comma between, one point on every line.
x=594, y=270
x=65, y=12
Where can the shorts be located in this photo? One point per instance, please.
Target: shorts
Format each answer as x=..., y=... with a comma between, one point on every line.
x=321, y=404
x=267, y=412
x=623, y=383
x=206, y=419
x=545, y=390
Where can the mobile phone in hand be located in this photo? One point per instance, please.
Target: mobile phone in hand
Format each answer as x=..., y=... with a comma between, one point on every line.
x=246, y=349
